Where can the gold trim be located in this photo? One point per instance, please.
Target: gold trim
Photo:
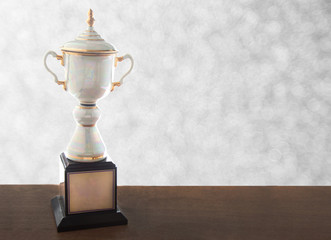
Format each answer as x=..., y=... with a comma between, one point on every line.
x=96, y=35
x=87, y=102
x=89, y=54
x=92, y=125
x=90, y=20
x=118, y=59
x=87, y=158
x=63, y=83
x=115, y=84
x=87, y=50
x=88, y=39
x=86, y=107
x=59, y=57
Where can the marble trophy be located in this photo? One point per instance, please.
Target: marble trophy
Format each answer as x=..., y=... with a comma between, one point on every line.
x=88, y=193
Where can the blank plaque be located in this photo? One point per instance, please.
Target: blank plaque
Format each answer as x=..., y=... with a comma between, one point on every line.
x=91, y=191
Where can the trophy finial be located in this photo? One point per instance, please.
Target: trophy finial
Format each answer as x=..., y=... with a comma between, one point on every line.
x=90, y=19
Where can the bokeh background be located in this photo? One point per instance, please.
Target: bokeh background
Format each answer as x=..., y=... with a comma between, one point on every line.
x=222, y=93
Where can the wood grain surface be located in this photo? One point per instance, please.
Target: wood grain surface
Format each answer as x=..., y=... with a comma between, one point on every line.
x=180, y=213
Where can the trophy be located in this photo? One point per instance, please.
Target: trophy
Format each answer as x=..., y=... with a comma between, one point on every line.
x=88, y=188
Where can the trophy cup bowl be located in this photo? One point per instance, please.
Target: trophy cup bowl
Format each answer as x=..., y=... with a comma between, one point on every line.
x=88, y=77
x=88, y=191
x=89, y=64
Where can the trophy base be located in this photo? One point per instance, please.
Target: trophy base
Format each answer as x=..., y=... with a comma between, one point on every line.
x=84, y=220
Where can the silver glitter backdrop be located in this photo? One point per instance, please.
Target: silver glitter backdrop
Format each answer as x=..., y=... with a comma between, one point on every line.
x=222, y=93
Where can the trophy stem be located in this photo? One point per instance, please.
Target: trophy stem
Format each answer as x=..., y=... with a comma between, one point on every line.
x=86, y=144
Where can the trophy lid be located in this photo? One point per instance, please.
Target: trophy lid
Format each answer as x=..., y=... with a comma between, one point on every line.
x=89, y=42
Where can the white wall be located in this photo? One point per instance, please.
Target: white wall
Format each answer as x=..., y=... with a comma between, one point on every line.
x=223, y=92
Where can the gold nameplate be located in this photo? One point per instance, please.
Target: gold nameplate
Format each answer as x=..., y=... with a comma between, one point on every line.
x=91, y=191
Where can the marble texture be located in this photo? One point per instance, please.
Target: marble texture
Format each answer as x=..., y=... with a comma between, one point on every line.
x=222, y=93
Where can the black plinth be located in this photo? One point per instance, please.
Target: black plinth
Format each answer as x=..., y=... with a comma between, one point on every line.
x=84, y=220
x=88, y=196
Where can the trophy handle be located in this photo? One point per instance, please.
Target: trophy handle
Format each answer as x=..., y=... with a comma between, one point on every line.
x=58, y=57
x=120, y=59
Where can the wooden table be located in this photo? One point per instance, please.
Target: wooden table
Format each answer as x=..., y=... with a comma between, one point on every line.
x=180, y=213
